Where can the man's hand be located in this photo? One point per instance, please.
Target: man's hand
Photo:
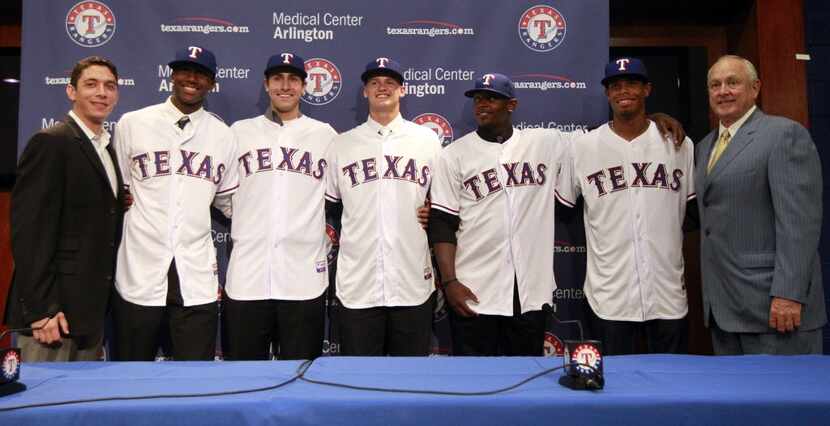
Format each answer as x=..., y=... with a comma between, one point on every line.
x=457, y=296
x=128, y=198
x=51, y=329
x=784, y=314
x=423, y=214
x=670, y=128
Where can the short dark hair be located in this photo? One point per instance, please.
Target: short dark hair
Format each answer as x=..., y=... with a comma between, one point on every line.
x=88, y=62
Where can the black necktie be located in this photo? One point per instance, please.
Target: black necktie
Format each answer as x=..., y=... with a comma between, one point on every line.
x=183, y=122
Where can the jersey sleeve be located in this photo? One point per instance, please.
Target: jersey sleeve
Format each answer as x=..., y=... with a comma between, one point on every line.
x=332, y=182
x=35, y=216
x=567, y=182
x=120, y=141
x=436, y=157
x=229, y=180
x=446, y=185
x=329, y=135
x=689, y=150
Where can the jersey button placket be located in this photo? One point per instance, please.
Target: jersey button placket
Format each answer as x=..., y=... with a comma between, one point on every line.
x=275, y=219
x=173, y=196
x=174, y=207
x=635, y=199
x=379, y=194
x=504, y=157
x=646, y=281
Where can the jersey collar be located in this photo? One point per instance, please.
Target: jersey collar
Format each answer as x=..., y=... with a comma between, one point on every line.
x=393, y=127
x=173, y=115
x=273, y=117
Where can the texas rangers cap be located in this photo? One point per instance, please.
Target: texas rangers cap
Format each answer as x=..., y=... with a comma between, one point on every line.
x=383, y=66
x=492, y=83
x=286, y=62
x=195, y=55
x=631, y=67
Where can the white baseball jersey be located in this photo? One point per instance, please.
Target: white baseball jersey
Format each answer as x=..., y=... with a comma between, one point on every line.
x=279, y=224
x=635, y=201
x=503, y=194
x=173, y=175
x=382, y=175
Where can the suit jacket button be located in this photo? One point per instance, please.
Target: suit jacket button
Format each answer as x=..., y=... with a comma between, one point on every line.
x=109, y=278
x=705, y=204
x=112, y=210
x=706, y=232
x=112, y=243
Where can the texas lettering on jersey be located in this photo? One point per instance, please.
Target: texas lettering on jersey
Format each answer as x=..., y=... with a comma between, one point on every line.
x=396, y=167
x=518, y=174
x=613, y=178
x=293, y=160
x=194, y=164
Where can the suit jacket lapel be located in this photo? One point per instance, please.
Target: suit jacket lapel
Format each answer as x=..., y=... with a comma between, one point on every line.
x=705, y=150
x=119, y=179
x=741, y=140
x=89, y=152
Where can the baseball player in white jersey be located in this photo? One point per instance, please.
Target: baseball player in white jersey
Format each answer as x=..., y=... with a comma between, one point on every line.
x=381, y=172
x=176, y=158
x=635, y=188
x=492, y=226
x=277, y=276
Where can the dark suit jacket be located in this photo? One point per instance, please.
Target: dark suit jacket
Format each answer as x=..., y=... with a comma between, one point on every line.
x=66, y=227
x=760, y=219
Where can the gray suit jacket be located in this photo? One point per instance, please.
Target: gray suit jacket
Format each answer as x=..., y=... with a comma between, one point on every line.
x=760, y=219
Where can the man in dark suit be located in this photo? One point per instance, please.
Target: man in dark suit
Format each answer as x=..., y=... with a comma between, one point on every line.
x=759, y=189
x=66, y=216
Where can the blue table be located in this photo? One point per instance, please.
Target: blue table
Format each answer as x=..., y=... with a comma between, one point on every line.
x=649, y=389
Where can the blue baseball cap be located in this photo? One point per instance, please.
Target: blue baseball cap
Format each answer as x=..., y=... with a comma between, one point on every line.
x=383, y=66
x=286, y=62
x=492, y=83
x=195, y=55
x=625, y=67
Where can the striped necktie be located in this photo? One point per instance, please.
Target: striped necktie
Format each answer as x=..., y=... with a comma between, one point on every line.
x=723, y=142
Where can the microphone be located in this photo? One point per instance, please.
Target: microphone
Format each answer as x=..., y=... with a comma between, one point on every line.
x=582, y=359
x=548, y=309
x=10, y=361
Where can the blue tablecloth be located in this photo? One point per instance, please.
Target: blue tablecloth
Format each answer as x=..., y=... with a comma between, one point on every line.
x=648, y=389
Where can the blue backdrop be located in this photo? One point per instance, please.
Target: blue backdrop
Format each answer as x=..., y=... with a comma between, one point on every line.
x=554, y=51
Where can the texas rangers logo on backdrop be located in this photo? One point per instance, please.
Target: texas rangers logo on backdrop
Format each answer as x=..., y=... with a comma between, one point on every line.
x=438, y=124
x=323, y=83
x=90, y=23
x=544, y=82
x=542, y=28
x=564, y=246
x=334, y=239
x=203, y=25
x=553, y=346
x=429, y=28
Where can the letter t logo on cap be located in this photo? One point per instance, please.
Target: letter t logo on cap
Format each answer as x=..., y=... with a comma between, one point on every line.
x=194, y=51
x=286, y=58
x=487, y=78
x=622, y=63
x=382, y=62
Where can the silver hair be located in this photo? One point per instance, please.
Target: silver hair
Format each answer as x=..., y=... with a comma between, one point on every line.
x=750, y=69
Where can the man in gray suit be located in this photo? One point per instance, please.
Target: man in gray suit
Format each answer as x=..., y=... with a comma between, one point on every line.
x=759, y=188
